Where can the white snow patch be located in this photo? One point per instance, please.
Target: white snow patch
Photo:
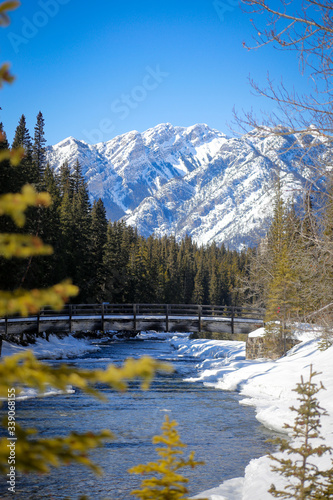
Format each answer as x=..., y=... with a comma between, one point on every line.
x=54, y=348
x=267, y=385
x=149, y=335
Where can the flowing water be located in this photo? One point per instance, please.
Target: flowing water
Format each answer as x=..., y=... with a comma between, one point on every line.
x=224, y=434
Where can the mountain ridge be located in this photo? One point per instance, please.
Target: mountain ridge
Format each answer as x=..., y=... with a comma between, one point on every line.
x=192, y=180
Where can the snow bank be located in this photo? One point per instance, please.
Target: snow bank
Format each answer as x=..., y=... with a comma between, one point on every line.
x=152, y=335
x=267, y=385
x=302, y=331
x=229, y=490
x=55, y=348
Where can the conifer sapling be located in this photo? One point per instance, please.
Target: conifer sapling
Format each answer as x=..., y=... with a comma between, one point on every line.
x=167, y=483
x=305, y=479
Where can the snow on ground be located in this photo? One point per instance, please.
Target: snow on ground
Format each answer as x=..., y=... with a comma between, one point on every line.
x=54, y=348
x=267, y=385
x=152, y=335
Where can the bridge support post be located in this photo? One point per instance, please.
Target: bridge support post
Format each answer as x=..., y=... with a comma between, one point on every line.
x=232, y=320
x=6, y=327
x=70, y=318
x=167, y=318
x=103, y=319
x=199, y=317
x=38, y=324
x=134, y=317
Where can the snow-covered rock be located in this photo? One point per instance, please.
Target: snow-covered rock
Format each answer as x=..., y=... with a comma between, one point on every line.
x=195, y=180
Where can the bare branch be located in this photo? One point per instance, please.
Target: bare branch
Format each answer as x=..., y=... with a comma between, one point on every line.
x=307, y=28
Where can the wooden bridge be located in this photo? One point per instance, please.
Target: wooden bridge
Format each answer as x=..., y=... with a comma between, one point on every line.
x=136, y=317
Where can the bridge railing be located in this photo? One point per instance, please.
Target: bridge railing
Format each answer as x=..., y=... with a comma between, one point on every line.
x=158, y=309
x=107, y=309
x=248, y=312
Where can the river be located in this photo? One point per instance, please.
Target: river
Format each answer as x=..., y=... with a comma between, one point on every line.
x=224, y=434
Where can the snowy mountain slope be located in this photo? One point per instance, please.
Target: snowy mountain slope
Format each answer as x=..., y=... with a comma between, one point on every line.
x=195, y=180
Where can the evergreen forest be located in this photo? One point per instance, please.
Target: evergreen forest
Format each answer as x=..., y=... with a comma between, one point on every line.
x=108, y=261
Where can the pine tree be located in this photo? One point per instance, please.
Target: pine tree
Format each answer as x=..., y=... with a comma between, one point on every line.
x=38, y=222
x=28, y=172
x=38, y=149
x=234, y=274
x=305, y=480
x=159, y=267
x=224, y=274
x=199, y=281
x=282, y=283
x=98, y=238
x=77, y=178
x=214, y=283
x=66, y=227
x=81, y=223
x=129, y=243
x=141, y=282
x=113, y=282
x=167, y=482
x=172, y=289
x=155, y=275
x=119, y=255
x=106, y=285
x=65, y=180
x=50, y=269
x=8, y=181
x=22, y=272
x=7, y=172
x=9, y=270
x=186, y=269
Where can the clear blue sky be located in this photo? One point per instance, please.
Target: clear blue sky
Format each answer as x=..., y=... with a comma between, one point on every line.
x=99, y=69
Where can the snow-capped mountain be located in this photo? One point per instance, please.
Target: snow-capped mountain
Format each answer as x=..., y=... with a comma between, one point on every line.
x=195, y=180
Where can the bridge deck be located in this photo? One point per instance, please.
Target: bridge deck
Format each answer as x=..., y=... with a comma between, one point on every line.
x=116, y=317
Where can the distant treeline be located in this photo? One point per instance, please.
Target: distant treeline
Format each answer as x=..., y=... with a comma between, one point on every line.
x=107, y=260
